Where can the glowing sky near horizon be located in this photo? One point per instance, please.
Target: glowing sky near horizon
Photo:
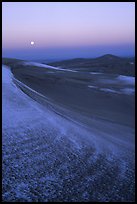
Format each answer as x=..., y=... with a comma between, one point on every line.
x=69, y=29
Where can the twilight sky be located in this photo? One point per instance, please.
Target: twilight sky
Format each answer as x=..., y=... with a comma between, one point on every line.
x=67, y=30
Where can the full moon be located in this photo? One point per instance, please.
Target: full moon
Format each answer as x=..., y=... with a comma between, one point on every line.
x=32, y=43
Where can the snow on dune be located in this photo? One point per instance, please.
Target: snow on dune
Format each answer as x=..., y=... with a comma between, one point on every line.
x=128, y=91
x=94, y=87
x=6, y=75
x=21, y=108
x=126, y=79
x=109, y=90
x=46, y=66
x=44, y=155
x=17, y=108
x=39, y=65
x=20, y=112
x=95, y=72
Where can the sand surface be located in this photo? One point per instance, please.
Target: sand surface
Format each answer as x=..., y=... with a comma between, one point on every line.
x=64, y=140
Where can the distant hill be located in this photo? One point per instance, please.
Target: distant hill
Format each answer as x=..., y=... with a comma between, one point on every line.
x=107, y=63
x=10, y=61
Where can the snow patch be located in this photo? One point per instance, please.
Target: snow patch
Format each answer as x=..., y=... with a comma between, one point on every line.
x=95, y=73
x=126, y=79
x=46, y=66
x=128, y=91
x=109, y=90
x=94, y=87
x=6, y=74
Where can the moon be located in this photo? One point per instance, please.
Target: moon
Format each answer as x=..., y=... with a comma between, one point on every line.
x=32, y=42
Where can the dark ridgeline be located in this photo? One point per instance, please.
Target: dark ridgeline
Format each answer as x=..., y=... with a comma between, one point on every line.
x=106, y=63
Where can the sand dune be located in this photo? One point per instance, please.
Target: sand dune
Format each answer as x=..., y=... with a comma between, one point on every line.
x=52, y=153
